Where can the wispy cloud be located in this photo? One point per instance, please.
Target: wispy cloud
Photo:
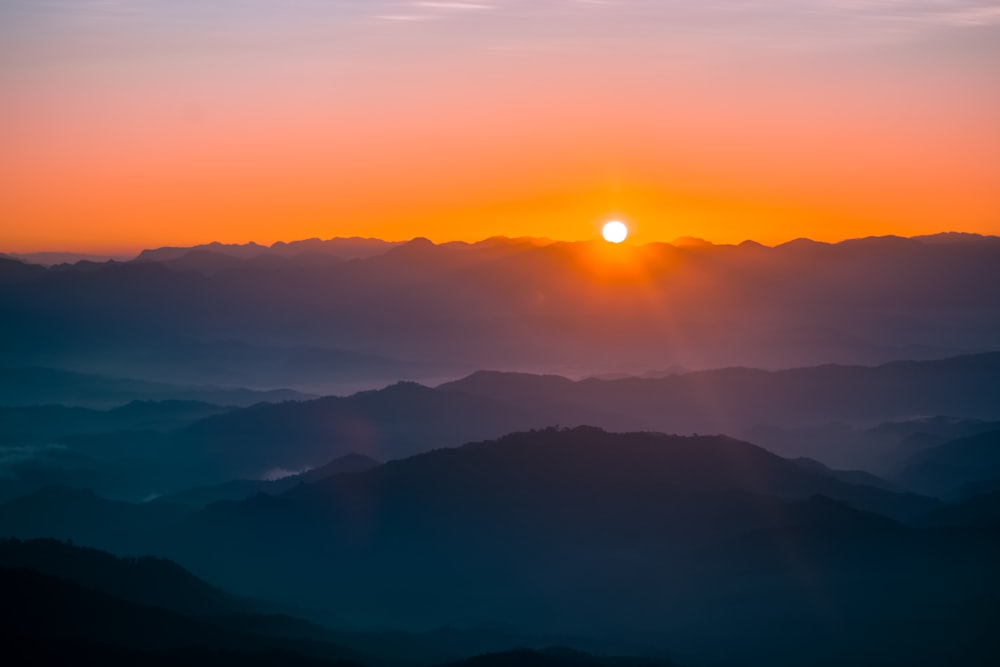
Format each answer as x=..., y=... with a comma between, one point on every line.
x=425, y=10
x=902, y=12
x=940, y=12
x=401, y=17
x=532, y=24
x=454, y=5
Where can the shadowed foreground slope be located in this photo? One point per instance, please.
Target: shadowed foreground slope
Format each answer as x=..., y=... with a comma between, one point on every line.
x=708, y=546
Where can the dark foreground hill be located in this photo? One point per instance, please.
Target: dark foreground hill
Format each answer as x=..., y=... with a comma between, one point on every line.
x=704, y=545
x=147, y=581
x=554, y=657
x=50, y=619
x=184, y=620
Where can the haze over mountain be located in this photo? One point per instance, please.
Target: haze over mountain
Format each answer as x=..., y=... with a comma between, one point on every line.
x=350, y=333
x=843, y=509
x=956, y=469
x=33, y=386
x=240, y=489
x=339, y=248
x=253, y=317
x=848, y=417
x=56, y=258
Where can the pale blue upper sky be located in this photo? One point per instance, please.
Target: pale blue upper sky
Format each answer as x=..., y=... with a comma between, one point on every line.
x=33, y=28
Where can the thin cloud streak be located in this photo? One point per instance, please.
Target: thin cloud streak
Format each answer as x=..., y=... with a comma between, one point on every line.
x=789, y=23
x=453, y=5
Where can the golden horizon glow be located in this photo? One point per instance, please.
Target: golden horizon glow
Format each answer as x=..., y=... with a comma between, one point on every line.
x=129, y=251
x=179, y=124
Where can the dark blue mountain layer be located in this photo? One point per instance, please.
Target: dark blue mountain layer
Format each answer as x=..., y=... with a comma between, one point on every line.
x=420, y=309
x=707, y=544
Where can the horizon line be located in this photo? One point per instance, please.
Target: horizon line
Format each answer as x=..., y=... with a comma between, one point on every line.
x=133, y=252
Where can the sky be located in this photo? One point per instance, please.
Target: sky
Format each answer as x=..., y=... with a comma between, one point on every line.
x=141, y=123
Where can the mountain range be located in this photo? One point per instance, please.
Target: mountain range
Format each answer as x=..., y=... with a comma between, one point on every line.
x=256, y=318
x=847, y=417
x=173, y=608
x=37, y=386
x=511, y=452
x=639, y=538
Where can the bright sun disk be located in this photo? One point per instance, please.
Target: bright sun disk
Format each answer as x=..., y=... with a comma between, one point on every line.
x=615, y=231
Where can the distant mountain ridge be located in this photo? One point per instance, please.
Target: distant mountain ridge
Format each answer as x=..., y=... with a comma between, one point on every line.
x=35, y=424
x=356, y=247
x=967, y=385
x=576, y=309
x=340, y=248
x=26, y=386
x=408, y=418
x=55, y=258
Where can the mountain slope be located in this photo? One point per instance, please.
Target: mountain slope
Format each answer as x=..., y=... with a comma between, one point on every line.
x=397, y=421
x=38, y=608
x=244, y=488
x=406, y=418
x=950, y=469
x=25, y=386
x=585, y=532
x=965, y=386
x=148, y=581
x=707, y=544
x=37, y=424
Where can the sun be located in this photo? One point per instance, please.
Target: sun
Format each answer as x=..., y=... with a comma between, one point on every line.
x=615, y=232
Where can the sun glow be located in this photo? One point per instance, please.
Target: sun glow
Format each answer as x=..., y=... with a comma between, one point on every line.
x=615, y=232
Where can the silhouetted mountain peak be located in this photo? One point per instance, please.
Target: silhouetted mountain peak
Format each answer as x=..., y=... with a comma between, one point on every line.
x=507, y=241
x=411, y=254
x=691, y=242
x=402, y=389
x=955, y=238
x=581, y=459
x=802, y=244
x=505, y=382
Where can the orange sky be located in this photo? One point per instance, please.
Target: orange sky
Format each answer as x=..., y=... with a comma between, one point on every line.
x=472, y=120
